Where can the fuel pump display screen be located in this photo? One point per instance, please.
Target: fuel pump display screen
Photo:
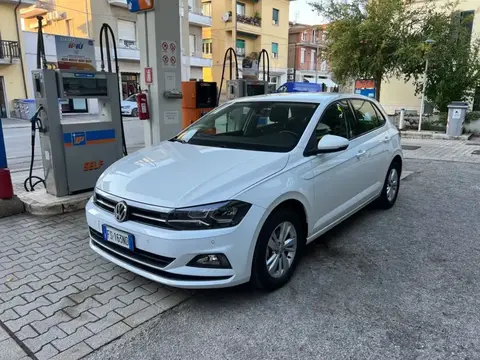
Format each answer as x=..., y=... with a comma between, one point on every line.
x=83, y=85
x=255, y=89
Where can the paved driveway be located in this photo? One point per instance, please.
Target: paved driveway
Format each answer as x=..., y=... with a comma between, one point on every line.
x=401, y=284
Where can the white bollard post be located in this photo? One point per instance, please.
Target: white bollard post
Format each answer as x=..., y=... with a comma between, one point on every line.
x=401, y=122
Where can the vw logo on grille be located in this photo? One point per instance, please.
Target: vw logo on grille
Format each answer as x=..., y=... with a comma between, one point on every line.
x=121, y=211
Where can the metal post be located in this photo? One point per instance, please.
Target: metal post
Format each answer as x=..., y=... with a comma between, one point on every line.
x=316, y=63
x=295, y=64
x=422, y=105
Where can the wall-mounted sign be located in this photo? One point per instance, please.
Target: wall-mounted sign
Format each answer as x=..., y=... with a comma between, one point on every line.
x=75, y=53
x=136, y=6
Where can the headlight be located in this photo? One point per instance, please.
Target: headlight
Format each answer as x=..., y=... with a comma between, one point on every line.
x=211, y=216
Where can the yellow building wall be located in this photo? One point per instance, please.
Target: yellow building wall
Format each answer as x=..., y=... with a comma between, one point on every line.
x=207, y=71
x=395, y=93
x=77, y=22
x=221, y=33
x=11, y=73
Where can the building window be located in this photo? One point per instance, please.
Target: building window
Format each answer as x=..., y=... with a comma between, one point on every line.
x=275, y=50
x=130, y=84
x=276, y=17
x=207, y=46
x=240, y=9
x=324, y=36
x=314, y=35
x=313, y=59
x=207, y=8
x=302, y=55
x=241, y=47
x=193, y=44
x=127, y=34
x=304, y=36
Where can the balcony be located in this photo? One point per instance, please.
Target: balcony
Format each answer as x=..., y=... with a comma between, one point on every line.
x=9, y=52
x=197, y=60
x=121, y=3
x=38, y=8
x=196, y=17
x=248, y=25
x=128, y=53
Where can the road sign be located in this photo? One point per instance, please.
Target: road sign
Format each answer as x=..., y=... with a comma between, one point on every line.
x=173, y=60
x=136, y=6
x=148, y=75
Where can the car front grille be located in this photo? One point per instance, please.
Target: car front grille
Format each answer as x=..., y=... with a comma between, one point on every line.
x=148, y=217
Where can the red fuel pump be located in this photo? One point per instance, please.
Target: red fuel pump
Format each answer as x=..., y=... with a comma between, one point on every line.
x=142, y=104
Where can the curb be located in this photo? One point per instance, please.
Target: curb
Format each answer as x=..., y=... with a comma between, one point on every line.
x=40, y=203
x=10, y=207
x=408, y=134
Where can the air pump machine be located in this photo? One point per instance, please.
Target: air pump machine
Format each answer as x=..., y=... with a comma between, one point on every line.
x=76, y=152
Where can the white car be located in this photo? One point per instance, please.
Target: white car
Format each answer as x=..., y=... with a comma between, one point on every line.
x=238, y=194
x=129, y=106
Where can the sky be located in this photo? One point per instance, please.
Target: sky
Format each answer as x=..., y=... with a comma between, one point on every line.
x=301, y=12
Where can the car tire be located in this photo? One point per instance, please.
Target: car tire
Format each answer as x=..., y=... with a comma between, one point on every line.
x=135, y=113
x=391, y=187
x=266, y=248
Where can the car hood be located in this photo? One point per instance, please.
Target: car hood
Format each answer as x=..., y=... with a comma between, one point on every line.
x=175, y=174
x=128, y=103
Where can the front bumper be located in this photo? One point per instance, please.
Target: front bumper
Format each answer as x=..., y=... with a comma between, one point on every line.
x=164, y=254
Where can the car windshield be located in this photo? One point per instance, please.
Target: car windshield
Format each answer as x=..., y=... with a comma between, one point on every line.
x=132, y=98
x=256, y=125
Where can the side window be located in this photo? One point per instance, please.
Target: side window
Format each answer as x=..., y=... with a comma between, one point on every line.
x=380, y=117
x=366, y=117
x=282, y=89
x=333, y=121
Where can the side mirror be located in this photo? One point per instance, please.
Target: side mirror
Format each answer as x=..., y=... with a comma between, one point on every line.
x=330, y=144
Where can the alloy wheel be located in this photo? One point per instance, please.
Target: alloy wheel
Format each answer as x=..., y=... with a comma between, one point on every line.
x=281, y=249
x=392, y=184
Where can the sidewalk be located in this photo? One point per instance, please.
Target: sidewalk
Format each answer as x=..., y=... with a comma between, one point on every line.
x=61, y=300
x=442, y=150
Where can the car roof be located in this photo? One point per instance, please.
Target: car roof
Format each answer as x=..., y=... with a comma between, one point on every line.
x=303, y=97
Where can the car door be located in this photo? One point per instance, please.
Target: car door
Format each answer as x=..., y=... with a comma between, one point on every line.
x=334, y=174
x=369, y=135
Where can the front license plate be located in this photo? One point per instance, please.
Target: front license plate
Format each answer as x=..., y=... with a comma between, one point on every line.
x=118, y=237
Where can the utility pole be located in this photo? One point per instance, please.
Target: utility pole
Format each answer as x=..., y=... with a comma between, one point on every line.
x=316, y=62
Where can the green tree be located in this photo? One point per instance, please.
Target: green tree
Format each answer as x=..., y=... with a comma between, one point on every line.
x=453, y=59
x=365, y=37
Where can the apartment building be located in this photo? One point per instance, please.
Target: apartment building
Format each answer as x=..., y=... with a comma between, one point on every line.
x=397, y=94
x=305, y=46
x=11, y=60
x=248, y=26
x=84, y=19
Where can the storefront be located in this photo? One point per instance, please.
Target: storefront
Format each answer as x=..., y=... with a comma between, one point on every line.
x=130, y=84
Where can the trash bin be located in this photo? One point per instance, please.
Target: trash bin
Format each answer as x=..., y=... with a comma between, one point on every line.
x=456, y=116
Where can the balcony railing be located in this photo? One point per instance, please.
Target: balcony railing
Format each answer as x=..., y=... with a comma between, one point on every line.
x=249, y=20
x=9, y=50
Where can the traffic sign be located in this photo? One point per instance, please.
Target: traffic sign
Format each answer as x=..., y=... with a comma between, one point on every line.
x=136, y=6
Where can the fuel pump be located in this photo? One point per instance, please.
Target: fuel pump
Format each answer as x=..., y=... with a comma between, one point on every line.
x=75, y=153
x=251, y=86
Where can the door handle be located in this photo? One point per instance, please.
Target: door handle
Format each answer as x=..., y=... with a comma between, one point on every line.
x=360, y=153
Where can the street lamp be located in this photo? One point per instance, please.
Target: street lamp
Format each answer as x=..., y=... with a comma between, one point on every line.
x=422, y=105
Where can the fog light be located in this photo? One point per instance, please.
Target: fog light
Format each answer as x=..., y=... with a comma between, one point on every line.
x=218, y=261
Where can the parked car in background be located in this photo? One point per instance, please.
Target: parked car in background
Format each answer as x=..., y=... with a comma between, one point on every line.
x=236, y=196
x=129, y=106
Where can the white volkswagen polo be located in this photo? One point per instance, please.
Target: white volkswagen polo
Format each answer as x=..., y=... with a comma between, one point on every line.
x=237, y=195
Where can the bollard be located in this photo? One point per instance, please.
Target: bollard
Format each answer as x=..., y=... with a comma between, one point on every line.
x=401, y=122
x=6, y=186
